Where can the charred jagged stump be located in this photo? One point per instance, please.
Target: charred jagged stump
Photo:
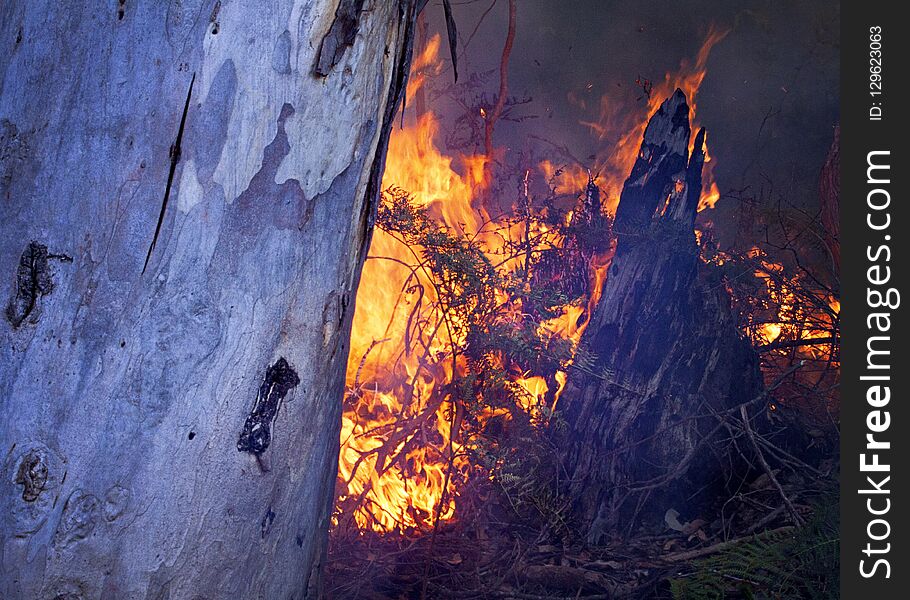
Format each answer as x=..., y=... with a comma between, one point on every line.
x=664, y=354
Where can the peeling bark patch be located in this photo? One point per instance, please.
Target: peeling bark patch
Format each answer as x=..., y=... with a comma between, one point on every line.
x=175, y=158
x=208, y=131
x=281, y=54
x=287, y=205
x=340, y=37
x=33, y=280
x=332, y=317
x=256, y=436
x=32, y=475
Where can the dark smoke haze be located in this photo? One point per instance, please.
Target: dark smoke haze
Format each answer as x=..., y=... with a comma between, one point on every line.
x=769, y=101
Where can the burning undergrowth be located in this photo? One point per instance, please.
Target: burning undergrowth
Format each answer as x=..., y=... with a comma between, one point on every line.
x=463, y=317
x=481, y=279
x=480, y=338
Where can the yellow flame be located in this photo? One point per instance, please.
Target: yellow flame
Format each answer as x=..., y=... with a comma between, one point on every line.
x=401, y=478
x=626, y=125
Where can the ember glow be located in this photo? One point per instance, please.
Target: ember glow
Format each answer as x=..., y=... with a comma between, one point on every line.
x=798, y=319
x=394, y=478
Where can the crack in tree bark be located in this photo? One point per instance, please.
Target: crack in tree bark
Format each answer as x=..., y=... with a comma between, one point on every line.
x=175, y=158
x=395, y=99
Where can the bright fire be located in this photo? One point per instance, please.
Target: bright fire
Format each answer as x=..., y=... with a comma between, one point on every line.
x=400, y=360
x=624, y=126
x=794, y=320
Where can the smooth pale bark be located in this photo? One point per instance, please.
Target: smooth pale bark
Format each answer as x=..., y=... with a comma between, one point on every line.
x=124, y=387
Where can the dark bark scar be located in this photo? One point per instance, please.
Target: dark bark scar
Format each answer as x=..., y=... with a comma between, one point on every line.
x=33, y=280
x=256, y=436
x=340, y=37
x=32, y=476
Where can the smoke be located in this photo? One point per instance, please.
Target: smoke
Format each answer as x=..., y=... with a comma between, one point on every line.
x=770, y=98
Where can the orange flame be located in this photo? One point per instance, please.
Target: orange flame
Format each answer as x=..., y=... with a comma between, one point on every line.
x=401, y=350
x=425, y=65
x=794, y=320
x=626, y=125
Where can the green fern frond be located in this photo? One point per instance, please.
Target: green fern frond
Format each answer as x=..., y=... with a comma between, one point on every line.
x=800, y=564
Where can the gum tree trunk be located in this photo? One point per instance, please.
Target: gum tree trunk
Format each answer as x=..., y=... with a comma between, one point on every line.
x=667, y=354
x=186, y=199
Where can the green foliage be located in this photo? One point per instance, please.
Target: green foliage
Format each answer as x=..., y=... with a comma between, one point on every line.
x=800, y=564
x=464, y=278
x=491, y=314
x=498, y=342
x=528, y=480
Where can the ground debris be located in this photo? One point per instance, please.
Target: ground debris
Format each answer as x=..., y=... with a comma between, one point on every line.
x=459, y=565
x=489, y=556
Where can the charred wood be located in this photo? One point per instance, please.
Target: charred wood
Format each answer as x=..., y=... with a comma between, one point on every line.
x=666, y=353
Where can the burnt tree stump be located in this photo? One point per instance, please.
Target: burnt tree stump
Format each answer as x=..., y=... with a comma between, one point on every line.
x=663, y=350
